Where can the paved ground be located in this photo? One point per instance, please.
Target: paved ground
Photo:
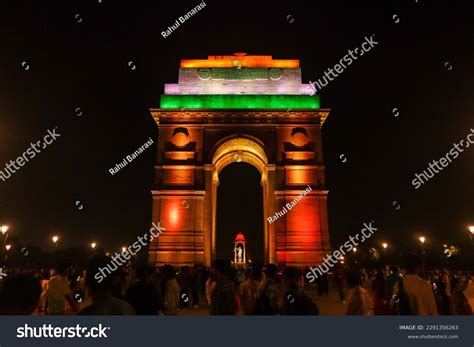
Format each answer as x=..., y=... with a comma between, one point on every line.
x=328, y=305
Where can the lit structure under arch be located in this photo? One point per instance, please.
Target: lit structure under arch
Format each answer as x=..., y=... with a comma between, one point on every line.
x=239, y=243
x=256, y=111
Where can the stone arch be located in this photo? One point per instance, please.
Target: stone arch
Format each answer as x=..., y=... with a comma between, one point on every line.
x=251, y=151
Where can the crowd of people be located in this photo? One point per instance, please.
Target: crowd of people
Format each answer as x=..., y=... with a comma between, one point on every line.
x=395, y=291
x=227, y=290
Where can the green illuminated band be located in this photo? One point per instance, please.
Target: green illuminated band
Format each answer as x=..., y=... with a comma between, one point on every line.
x=239, y=101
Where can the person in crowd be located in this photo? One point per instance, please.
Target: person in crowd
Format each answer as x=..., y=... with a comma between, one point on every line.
x=380, y=295
x=210, y=285
x=366, y=280
x=358, y=298
x=339, y=279
x=119, y=283
x=20, y=295
x=103, y=302
x=394, y=277
x=156, y=280
x=196, y=285
x=172, y=292
x=324, y=284
x=268, y=295
x=185, y=283
x=248, y=289
x=59, y=292
x=295, y=300
x=419, y=292
x=459, y=301
x=143, y=295
x=223, y=298
x=44, y=292
x=442, y=298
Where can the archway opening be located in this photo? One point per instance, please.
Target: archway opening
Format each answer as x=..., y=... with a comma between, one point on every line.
x=240, y=209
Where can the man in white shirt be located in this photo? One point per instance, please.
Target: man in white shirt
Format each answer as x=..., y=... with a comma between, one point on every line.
x=59, y=292
x=419, y=291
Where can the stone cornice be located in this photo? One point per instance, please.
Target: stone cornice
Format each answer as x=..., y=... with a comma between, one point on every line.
x=239, y=116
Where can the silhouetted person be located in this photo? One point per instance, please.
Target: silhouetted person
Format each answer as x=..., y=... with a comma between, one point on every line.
x=248, y=289
x=339, y=279
x=196, y=285
x=103, y=302
x=460, y=303
x=185, y=284
x=20, y=295
x=443, y=300
x=392, y=279
x=295, y=300
x=223, y=297
x=143, y=295
x=268, y=296
x=380, y=294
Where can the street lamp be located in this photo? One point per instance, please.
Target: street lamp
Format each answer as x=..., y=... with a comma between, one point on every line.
x=93, y=245
x=471, y=230
x=4, y=230
x=55, y=240
x=124, y=249
x=384, y=245
x=7, y=247
x=422, y=239
x=354, y=249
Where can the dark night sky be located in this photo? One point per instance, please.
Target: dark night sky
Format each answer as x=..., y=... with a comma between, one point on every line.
x=85, y=65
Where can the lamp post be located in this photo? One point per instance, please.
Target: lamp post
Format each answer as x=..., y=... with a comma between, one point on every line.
x=4, y=229
x=7, y=247
x=384, y=245
x=471, y=233
x=93, y=246
x=423, y=253
x=55, y=240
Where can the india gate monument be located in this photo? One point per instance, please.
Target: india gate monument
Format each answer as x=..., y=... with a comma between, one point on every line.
x=240, y=108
